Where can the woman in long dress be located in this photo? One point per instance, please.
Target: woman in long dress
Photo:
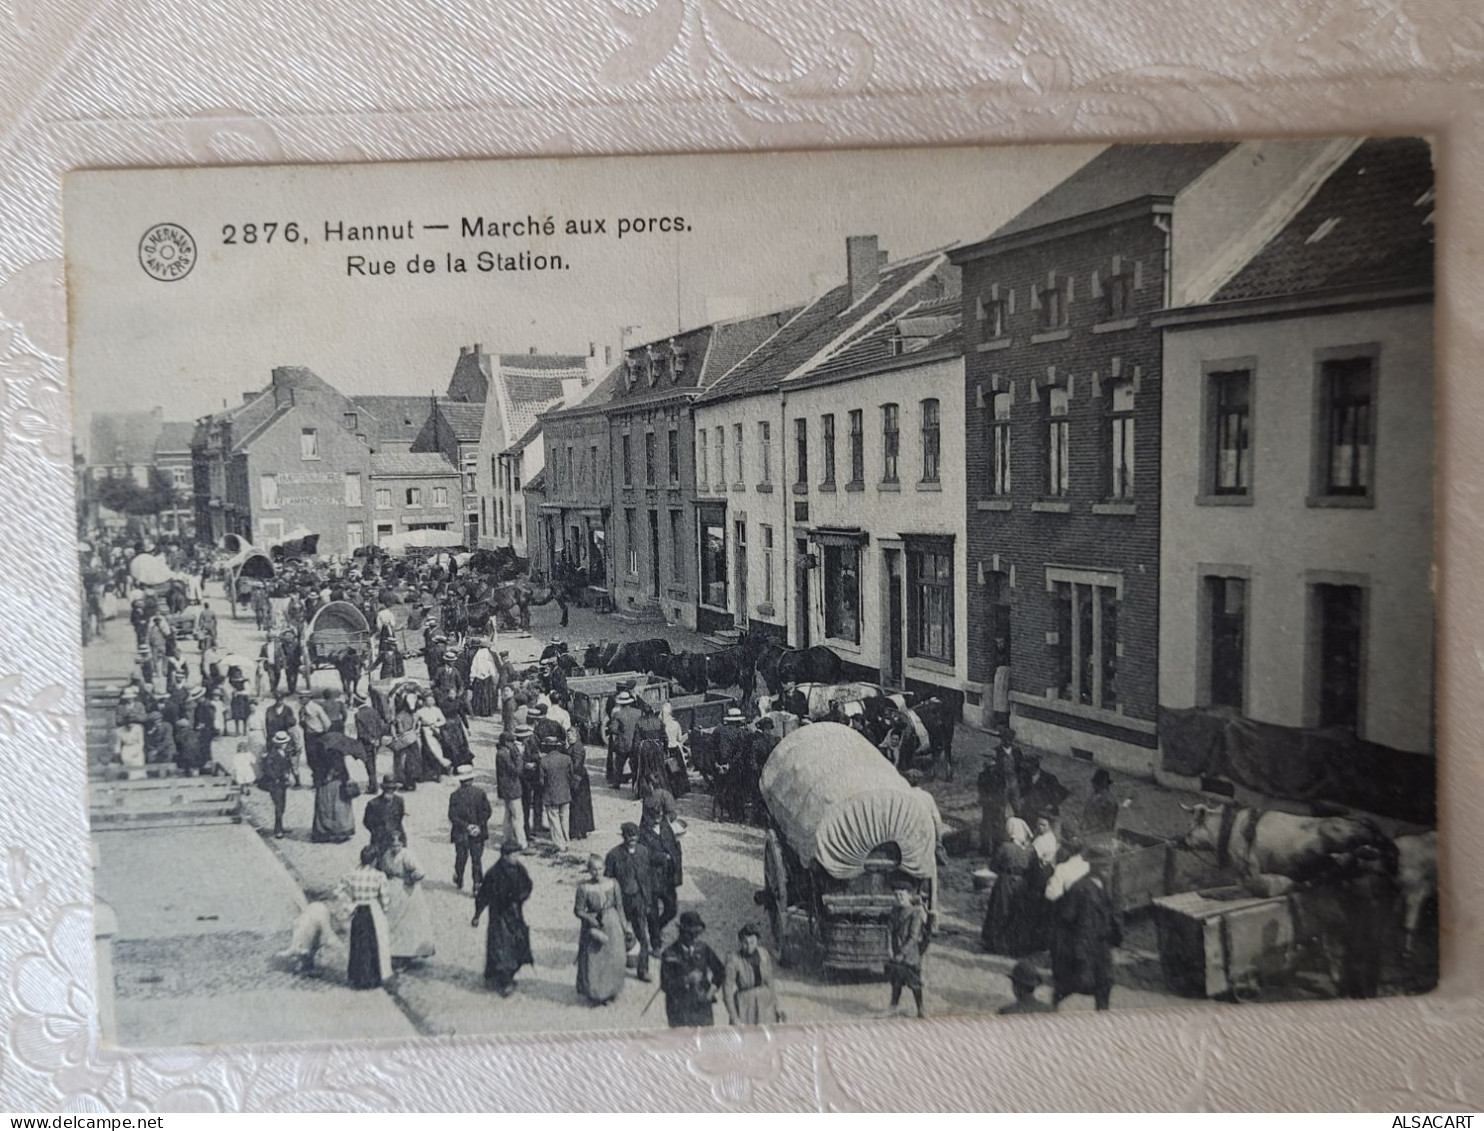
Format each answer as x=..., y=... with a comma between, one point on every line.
x=483, y=682
x=407, y=910
x=432, y=721
x=747, y=986
x=580, y=820
x=601, y=958
x=334, y=818
x=676, y=774
x=366, y=890
x=1013, y=921
x=455, y=731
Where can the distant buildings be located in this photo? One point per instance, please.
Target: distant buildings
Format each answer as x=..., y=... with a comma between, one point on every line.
x=152, y=453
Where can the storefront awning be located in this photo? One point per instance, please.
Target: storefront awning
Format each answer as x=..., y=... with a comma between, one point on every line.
x=839, y=536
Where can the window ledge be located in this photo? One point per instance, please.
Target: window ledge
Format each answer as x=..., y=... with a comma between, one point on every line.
x=933, y=664
x=1115, y=324
x=930, y=485
x=1083, y=711
x=801, y=488
x=739, y=486
x=1344, y=502
x=990, y=345
x=993, y=505
x=1115, y=508
x=889, y=485
x=855, y=485
x=764, y=488
x=830, y=487
x=1224, y=500
x=1051, y=506
x=1060, y=335
x=842, y=645
x=765, y=609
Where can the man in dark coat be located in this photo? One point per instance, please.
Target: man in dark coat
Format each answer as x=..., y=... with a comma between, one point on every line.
x=384, y=816
x=1039, y=790
x=999, y=792
x=530, y=780
x=469, y=816
x=509, y=788
x=691, y=976
x=1084, y=934
x=733, y=764
x=556, y=787
x=622, y=725
x=371, y=730
x=630, y=865
x=1023, y=982
x=507, y=946
x=664, y=868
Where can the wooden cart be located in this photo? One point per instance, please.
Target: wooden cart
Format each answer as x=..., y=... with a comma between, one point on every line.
x=847, y=829
x=702, y=711
x=590, y=695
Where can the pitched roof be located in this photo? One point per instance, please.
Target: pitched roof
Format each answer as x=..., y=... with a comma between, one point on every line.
x=465, y=419
x=830, y=323
x=931, y=325
x=175, y=436
x=603, y=394
x=1119, y=175
x=1368, y=225
x=538, y=362
x=520, y=445
x=410, y=464
x=394, y=420
x=536, y=484
x=124, y=437
x=528, y=397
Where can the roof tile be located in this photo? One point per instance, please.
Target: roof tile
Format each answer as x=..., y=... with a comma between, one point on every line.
x=406, y=464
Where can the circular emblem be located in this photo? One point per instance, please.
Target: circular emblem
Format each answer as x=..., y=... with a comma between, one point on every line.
x=167, y=252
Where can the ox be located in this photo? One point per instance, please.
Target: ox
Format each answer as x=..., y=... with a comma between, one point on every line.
x=1277, y=851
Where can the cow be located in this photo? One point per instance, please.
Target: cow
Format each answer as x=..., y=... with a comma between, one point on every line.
x=1417, y=880
x=1276, y=852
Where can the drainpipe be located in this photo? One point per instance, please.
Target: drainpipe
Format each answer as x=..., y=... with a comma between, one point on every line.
x=1163, y=224
x=785, y=492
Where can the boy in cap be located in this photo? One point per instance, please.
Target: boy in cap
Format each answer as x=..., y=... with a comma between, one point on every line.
x=277, y=769
x=1023, y=983
x=909, y=939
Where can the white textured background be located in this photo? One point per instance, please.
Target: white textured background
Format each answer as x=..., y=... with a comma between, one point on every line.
x=166, y=82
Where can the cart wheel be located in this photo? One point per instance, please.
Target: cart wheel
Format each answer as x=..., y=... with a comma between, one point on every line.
x=775, y=877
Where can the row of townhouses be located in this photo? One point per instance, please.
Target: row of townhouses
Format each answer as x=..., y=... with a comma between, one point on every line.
x=1161, y=442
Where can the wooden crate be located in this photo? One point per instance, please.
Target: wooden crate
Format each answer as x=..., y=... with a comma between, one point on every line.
x=705, y=710
x=1224, y=942
x=855, y=931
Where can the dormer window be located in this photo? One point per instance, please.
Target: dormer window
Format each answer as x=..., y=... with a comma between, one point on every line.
x=679, y=356
x=631, y=370
x=655, y=365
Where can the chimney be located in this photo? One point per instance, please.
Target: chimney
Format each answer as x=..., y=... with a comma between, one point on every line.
x=463, y=351
x=881, y=258
x=532, y=351
x=592, y=349
x=860, y=265
x=477, y=350
x=246, y=397
x=607, y=357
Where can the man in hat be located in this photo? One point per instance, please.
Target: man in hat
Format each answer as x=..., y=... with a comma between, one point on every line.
x=1023, y=983
x=556, y=786
x=280, y=719
x=909, y=939
x=733, y=764
x=999, y=791
x=623, y=724
x=507, y=947
x=1039, y=789
x=508, y=786
x=371, y=732
x=278, y=767
x=691, y=976
x=206, y=627
x=1084, y=932
x=1100, y=812
x=469, y=816
x=159, y=739
x=384, y=816
x=314, y=719
x=144, y=666
x=629, y=864
x=659, y=840
x=557, y=712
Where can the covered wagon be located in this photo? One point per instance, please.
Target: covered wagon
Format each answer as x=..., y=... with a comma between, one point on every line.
x=337, y=627
x=846, y=829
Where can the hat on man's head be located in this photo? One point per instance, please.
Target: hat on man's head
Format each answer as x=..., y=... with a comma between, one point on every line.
x=1102, y=778
x=142, y=650
x=153, y=717
x=464, y=772
x=387, y=781
x=524, y=731
x=450, y=655
x=281, y=738
x=552, y=742
x=536, y=711
x=623, y=699
x=734, y=715
x=628, y=828
x=198, y=693
x=509, y=847
x=692, y=921
x=1025, y=974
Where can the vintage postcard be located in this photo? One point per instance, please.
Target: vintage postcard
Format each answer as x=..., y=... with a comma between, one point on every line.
x=666, y=591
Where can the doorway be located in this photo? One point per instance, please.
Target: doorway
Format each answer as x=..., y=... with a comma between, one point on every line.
x=739, y=570
x=801, y=593
x=654, y=554
x=894, y=674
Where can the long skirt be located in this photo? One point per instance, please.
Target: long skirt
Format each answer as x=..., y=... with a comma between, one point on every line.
x=580, y=820
x=407, y=922
x=1011, y=923
x=334, y=818
x=392, y=666
x=676, y=774
x=601, y=969
x=433, y=765
x=485, y=697
x=456, y=744
x=370, y=948
x=649, y=771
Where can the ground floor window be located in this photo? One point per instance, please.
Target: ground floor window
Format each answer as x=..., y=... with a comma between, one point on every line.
x=631, y=540
x=384, y=530
x=677, y=540
x=1339, y=615
x=842, y=592
x=1226, y=613
x=930, y=610
x=355, y=536
x=712, y=525
x=1086, y=643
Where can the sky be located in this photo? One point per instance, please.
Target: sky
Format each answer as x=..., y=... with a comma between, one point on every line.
x=762, y=231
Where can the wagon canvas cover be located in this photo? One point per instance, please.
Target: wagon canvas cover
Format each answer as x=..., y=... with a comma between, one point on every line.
x=836, y=800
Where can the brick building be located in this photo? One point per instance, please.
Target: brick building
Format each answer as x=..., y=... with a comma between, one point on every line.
x=567, y=517
x=290, y=455
x=453, y=428
x=527, y=452
x=1062, y=406
x=668, y=558
x=1296, y=528
x=414, y=491
x=172, y=458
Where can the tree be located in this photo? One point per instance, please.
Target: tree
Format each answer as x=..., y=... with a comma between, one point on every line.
x=125, y=496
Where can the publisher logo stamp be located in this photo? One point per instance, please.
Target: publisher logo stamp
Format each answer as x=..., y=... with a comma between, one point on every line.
x=167, y=252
